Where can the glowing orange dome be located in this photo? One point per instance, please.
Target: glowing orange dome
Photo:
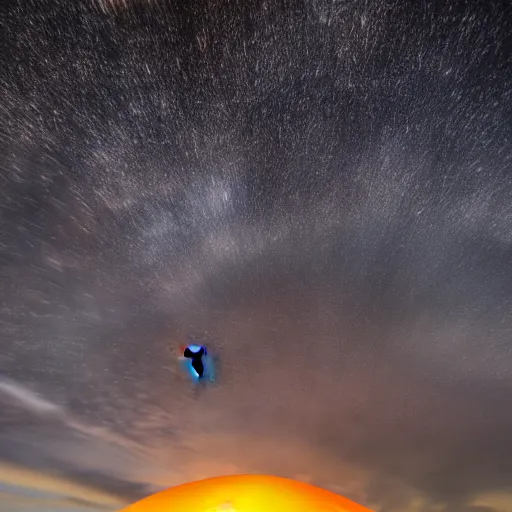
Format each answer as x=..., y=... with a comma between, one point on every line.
x=246, y=493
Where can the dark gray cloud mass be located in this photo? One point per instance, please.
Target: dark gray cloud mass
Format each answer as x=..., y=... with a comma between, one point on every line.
x=320, y=189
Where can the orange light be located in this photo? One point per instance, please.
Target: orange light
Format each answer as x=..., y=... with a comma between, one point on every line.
x=246, y=493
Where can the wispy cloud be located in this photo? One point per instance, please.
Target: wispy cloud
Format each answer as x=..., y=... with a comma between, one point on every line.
x=29, y=400
x=56, y=488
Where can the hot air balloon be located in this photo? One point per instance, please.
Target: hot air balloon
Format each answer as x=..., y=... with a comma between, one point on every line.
x=198, y=363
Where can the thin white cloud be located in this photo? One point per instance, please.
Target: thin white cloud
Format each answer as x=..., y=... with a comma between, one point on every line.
x=28, y=399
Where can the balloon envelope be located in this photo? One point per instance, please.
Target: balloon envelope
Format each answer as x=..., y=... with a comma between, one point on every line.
x=246, y=493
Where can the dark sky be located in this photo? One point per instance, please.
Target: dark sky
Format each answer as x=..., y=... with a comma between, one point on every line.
x=319, y=190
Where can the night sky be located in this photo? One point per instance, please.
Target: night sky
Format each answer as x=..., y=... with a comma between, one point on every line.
x=319, y=190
